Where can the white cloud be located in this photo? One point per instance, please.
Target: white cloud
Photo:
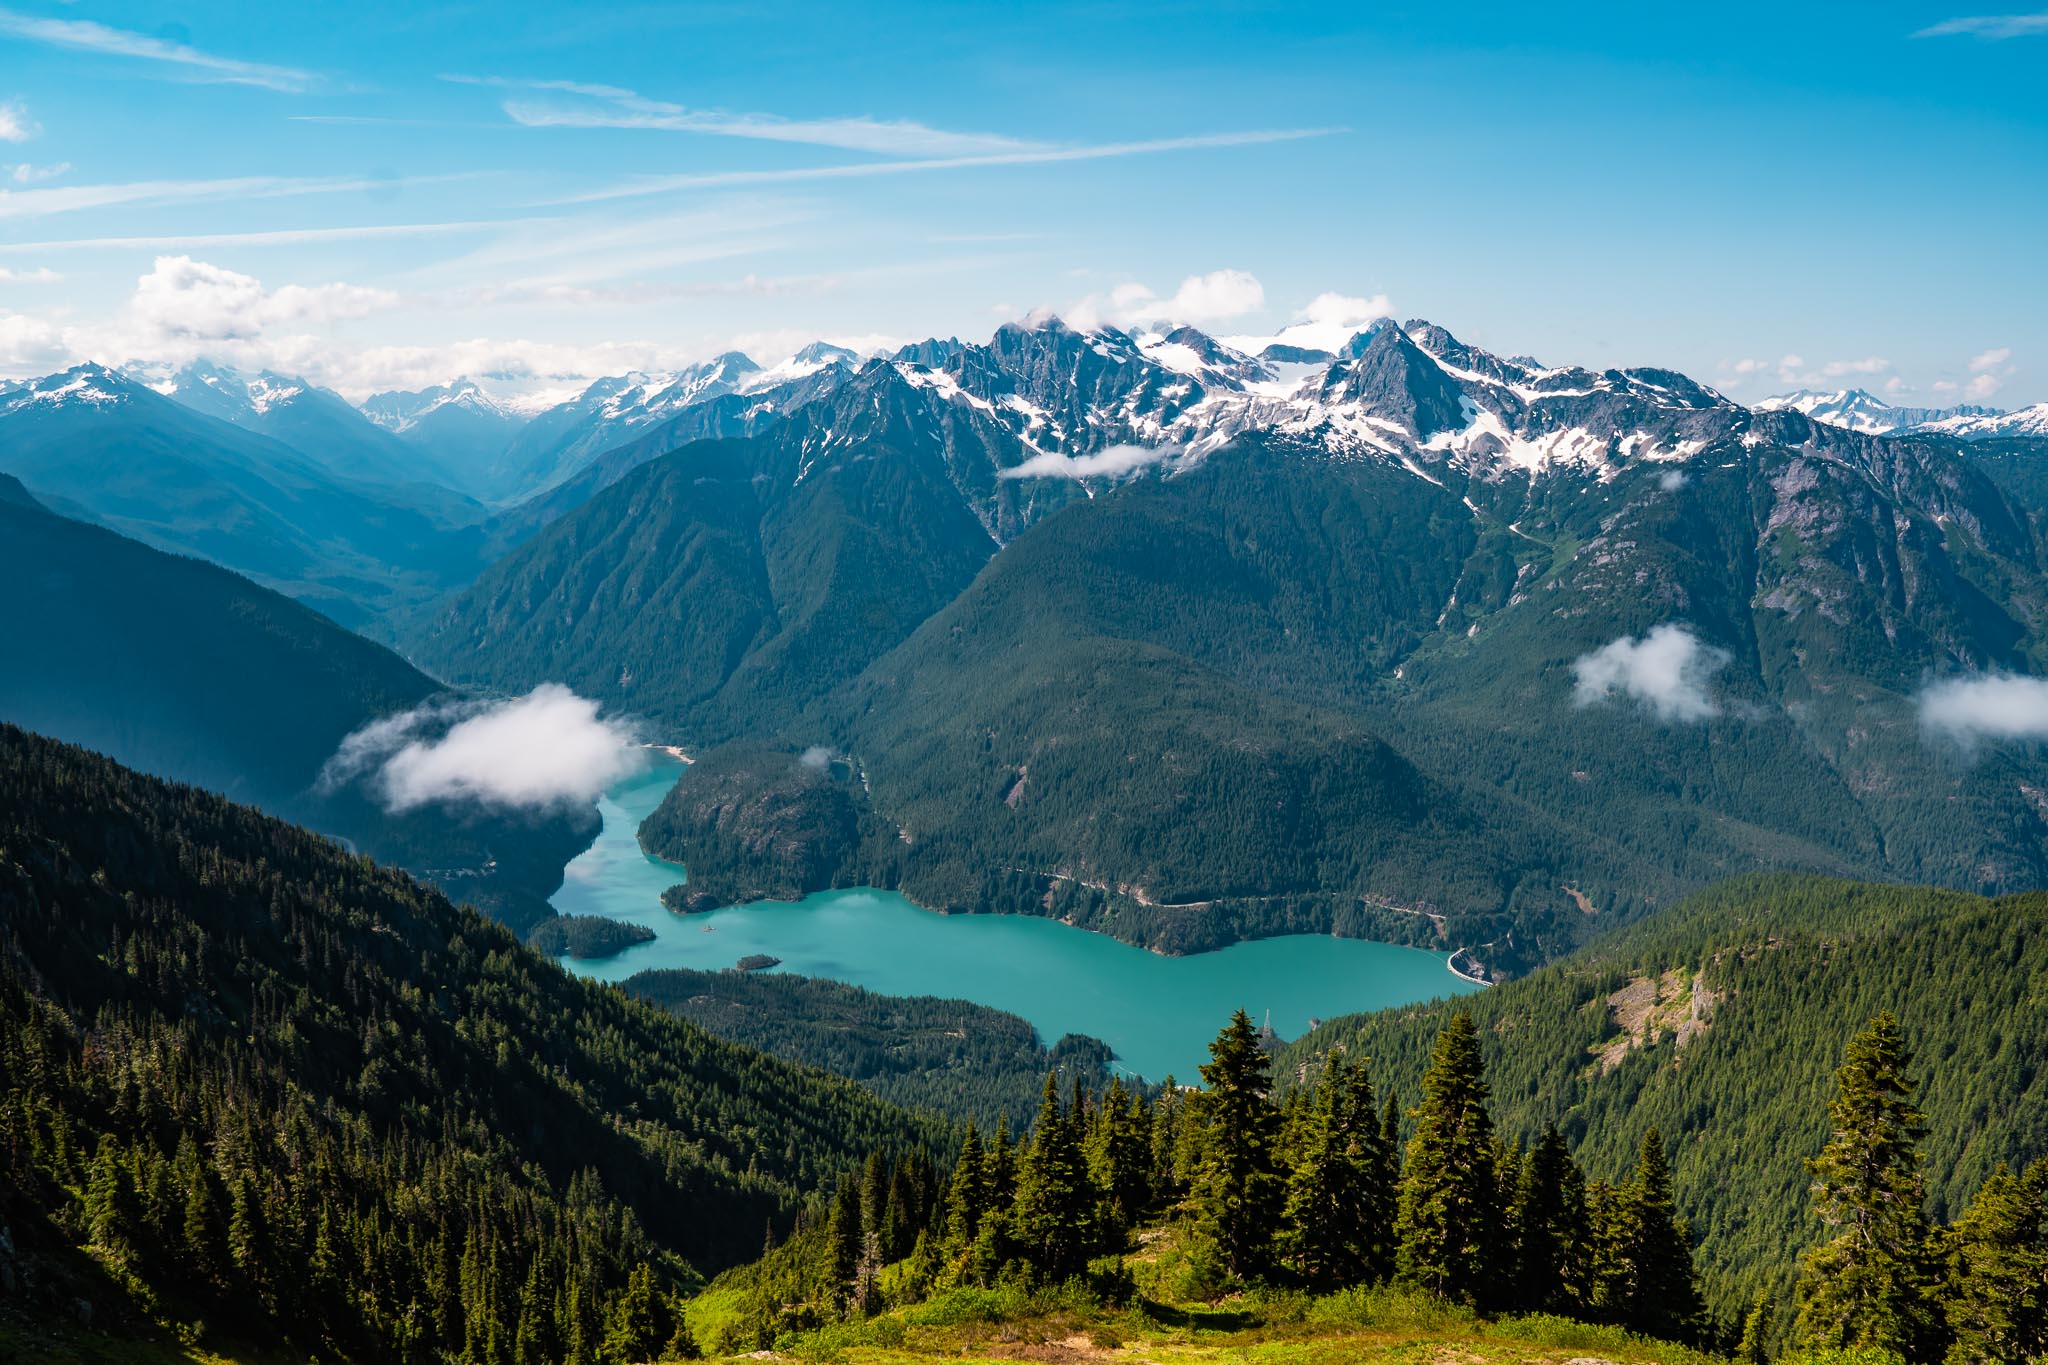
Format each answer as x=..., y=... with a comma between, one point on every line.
x=40, y=275
x=1666, y=670
x=1990, y=360
x=1989, y=706
x=1982, y=386
x=1990, y=27
x=1108, y=463
x=606, y=106
x=1329, y=320
x=30, y=345
x=276, y=237
x=187, y=63
x=1200, y=300
x=15, y=124
x=184, y=298
x=1671, y=480
x=817, y=758
x=26, y=174
x=1837, y=369
x=547, y=749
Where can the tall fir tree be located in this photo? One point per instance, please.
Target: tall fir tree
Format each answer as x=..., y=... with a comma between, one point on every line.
x=1867, y=1286
x=1449, y=1191
x=1996, y=1299
x=1330, y=1234
x=1555, y=1234
x=1054, y=1221
x=1665, y=1299
x=1239, y=1188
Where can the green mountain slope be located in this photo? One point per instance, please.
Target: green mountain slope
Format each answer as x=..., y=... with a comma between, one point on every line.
x=183, y=669
x=720, y=589
x=254, y=1081
x=1721, y=1021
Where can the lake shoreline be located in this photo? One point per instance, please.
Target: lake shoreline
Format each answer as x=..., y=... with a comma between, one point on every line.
x=1156, y=1011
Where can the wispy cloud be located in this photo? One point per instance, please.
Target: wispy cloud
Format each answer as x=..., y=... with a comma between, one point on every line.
x=15, y=124
x=1106, y=463
x=274, y=237
x=662, y=184
x=71, y=198
x=26, y=174
x=40, y=275
x=575, y=104
x=188, y=63
x=1991, y=27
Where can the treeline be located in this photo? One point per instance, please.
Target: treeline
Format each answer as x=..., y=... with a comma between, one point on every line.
x=254, y=1090
x=1322, y=1192
x=1766, y=979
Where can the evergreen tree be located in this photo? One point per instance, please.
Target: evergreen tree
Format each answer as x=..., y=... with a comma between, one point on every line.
x=1448, y=1205
x=1754, y=1347
x=1551, y=1215
x=843, y=1235
x=967, y=1198
x=1664, y=1300
x=1867, y=1286
x=1239, y=1188
x=1385, y=1191
x=1996, y=1300
x=1054, y=1221
x=1120, y=1158
x=109, y=1201
x=1330, y=1238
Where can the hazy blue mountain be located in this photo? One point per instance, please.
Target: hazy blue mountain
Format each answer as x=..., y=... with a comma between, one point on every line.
x=189, y=671
x=93, y=443
x=316, y=422
x=458, y=428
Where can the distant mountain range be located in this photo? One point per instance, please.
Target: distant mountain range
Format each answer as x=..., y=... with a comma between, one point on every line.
x=1187, y=644
x=1187, y=641
x=1856, y=410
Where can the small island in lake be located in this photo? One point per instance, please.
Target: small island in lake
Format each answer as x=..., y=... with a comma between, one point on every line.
x=684, y=901
x=585, y=936
x=756, y=962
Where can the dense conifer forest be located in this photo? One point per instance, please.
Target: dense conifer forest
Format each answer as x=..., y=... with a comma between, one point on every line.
x=1336, y=1191
x=958, y=1058
x=1719, y=1021
x=255, y=1089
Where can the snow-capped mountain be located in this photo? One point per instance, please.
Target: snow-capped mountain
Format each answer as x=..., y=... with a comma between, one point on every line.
x=560, y=442
x=1984, y=425
x=399, y=412
x=1860, y=410
x=316, y=422
x=86, y=386
x=459, y=426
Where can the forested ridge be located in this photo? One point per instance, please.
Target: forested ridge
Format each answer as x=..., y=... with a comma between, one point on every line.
x=1742, y=999
x=1339, y=1199
x=953, y=1056
x=253, y=1088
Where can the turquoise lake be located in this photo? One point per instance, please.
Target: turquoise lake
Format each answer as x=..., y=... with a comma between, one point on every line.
x=1158, y=1013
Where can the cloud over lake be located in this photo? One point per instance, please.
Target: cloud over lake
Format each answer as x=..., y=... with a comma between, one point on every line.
x=547, y=749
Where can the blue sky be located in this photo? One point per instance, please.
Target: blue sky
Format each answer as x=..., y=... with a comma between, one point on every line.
x=386, y=195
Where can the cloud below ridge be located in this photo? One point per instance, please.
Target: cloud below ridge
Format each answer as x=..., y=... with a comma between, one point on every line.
x=1985, y=706
x=548, y=749
x=1667, y=670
